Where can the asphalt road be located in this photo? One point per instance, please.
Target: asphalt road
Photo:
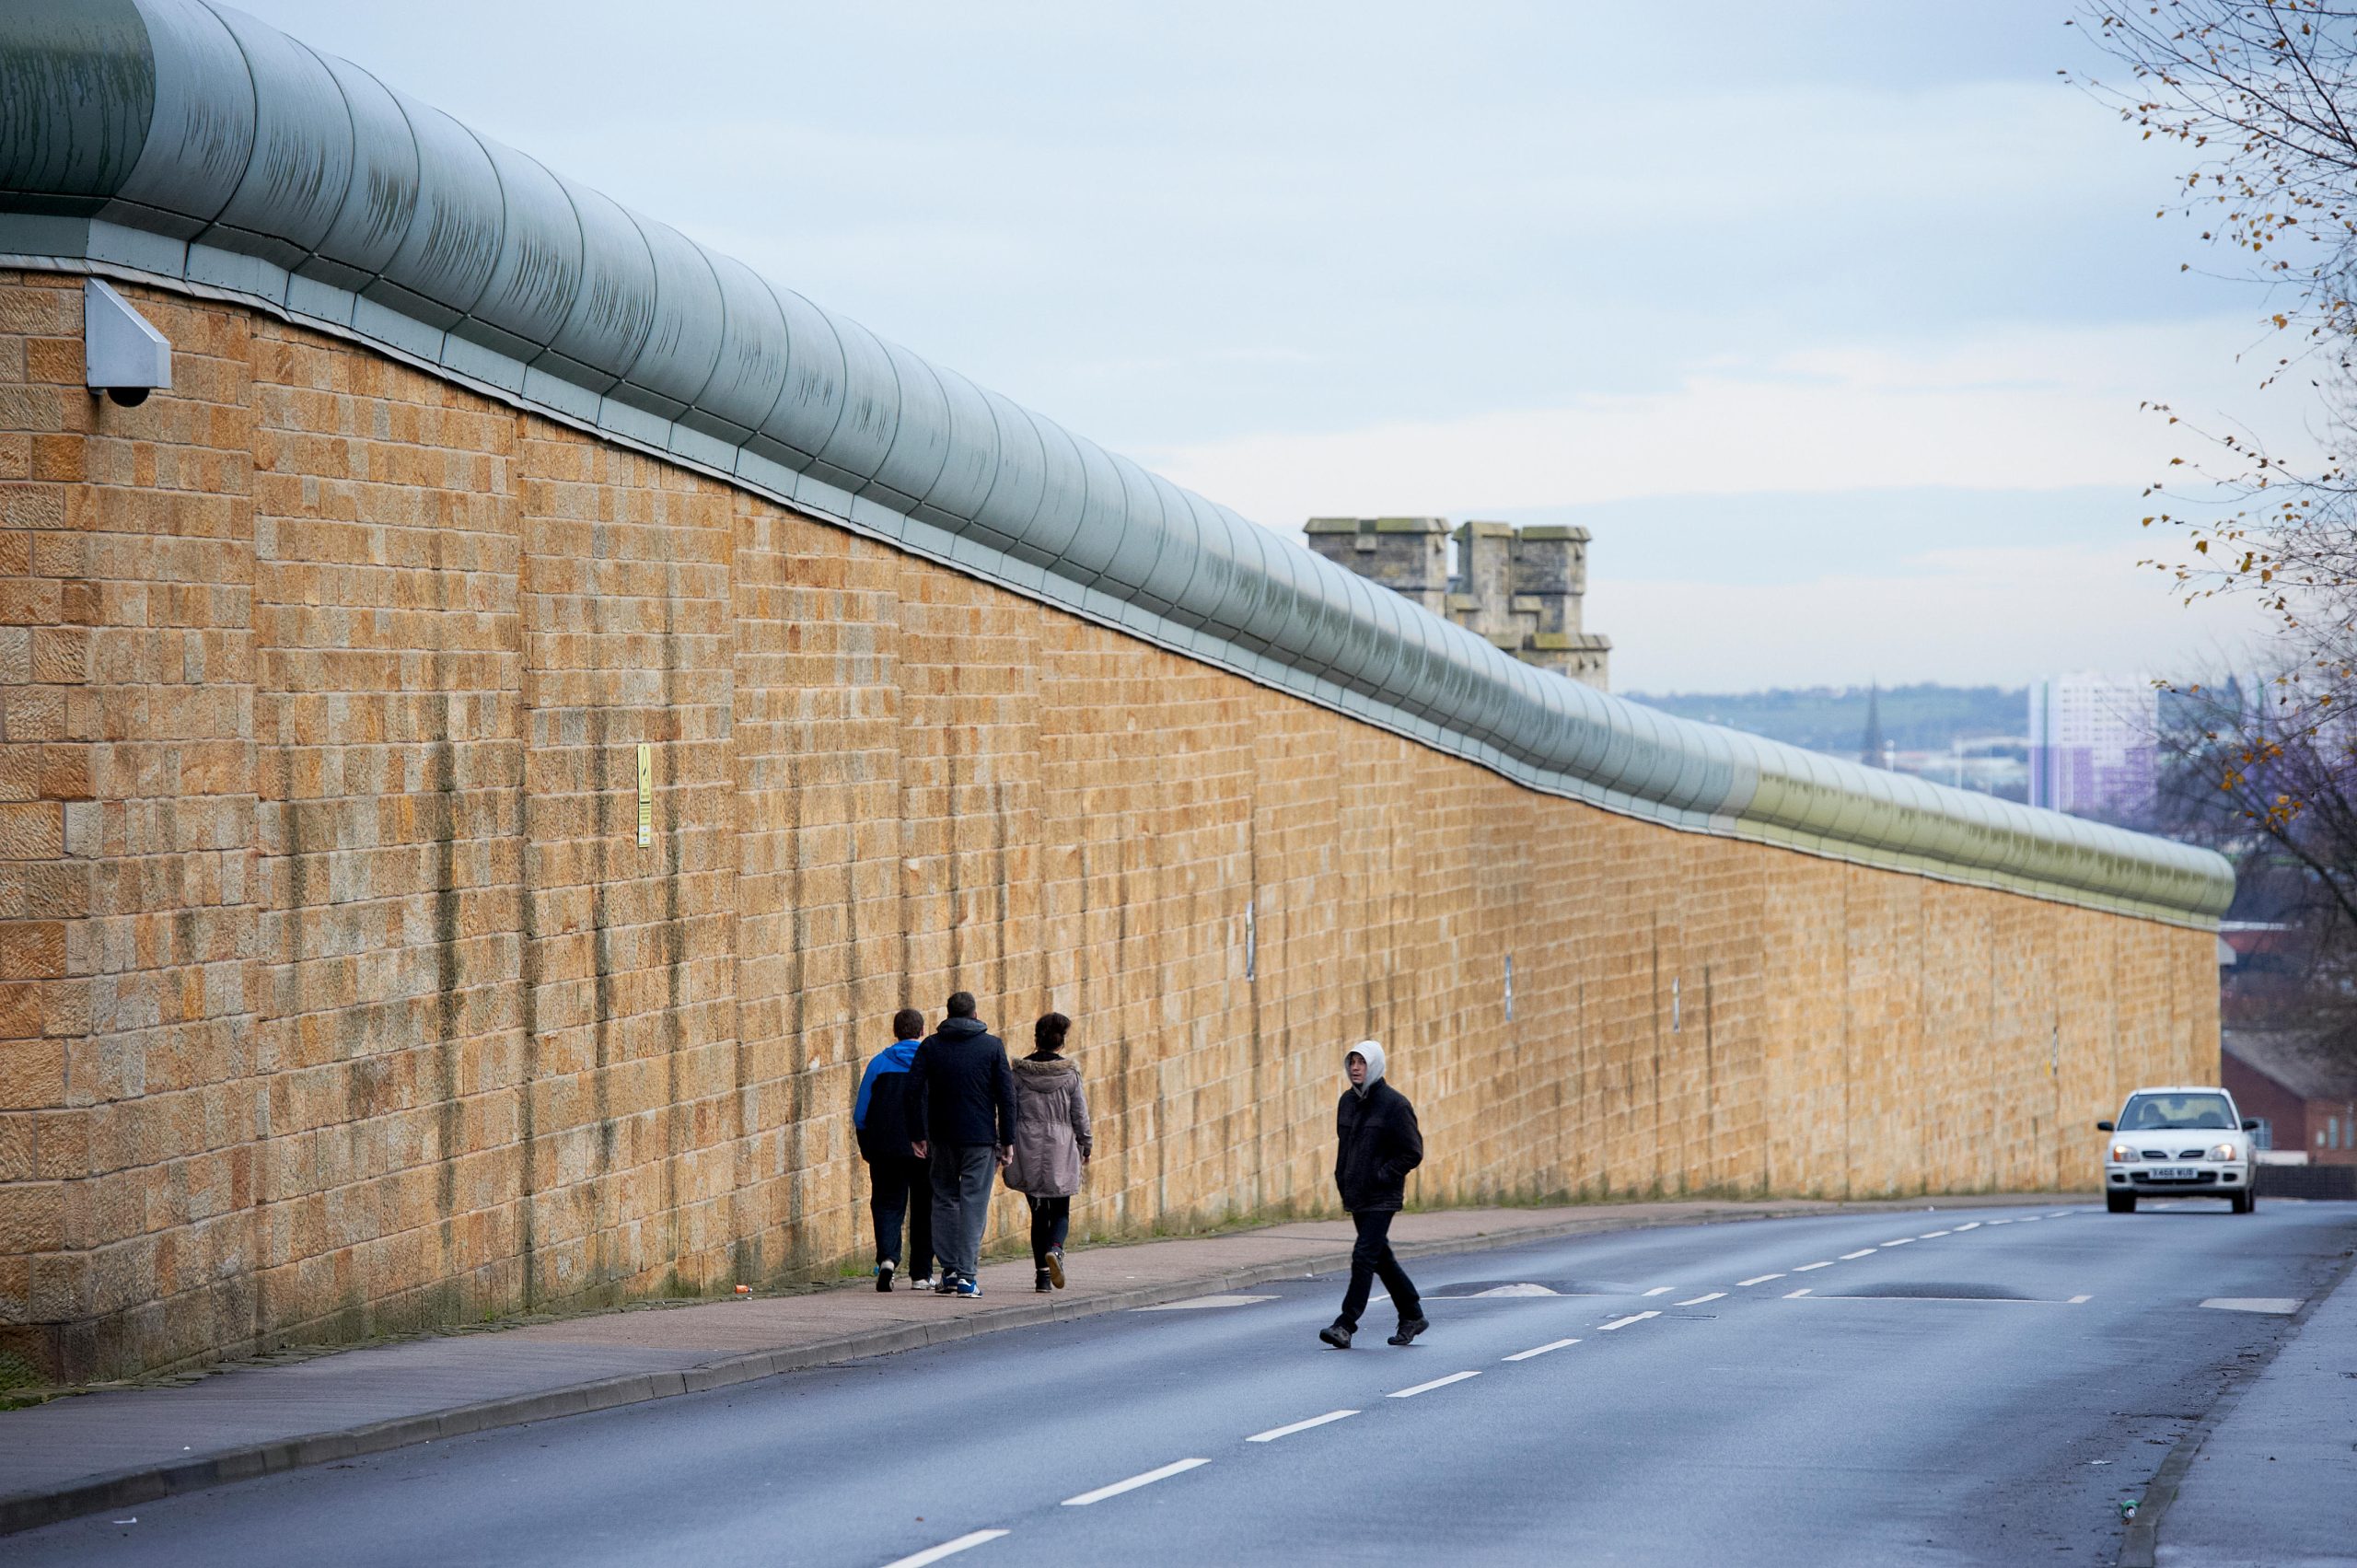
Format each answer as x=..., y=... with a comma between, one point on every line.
x=1979, y=1388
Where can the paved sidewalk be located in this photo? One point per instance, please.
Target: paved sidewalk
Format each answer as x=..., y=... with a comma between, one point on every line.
x=2275, y=1483
x=117, y=1448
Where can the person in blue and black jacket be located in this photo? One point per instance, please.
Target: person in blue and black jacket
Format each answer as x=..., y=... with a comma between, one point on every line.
x=898, y=1181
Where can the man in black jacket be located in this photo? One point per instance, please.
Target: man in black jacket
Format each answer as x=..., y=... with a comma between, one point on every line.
x=1376, y=1144
x=960, y=1108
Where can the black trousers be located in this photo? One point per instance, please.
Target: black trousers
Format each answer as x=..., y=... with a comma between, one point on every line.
x=1051, y=1222
x=1371, y=1255
x=901, y=1185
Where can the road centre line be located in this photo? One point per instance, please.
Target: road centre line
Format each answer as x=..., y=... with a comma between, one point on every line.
x=1860, y=1252
x=1698, y=1300
x=947, y=1549
x=2077, y=1300
x=2000, y=1221
x=1428, y=1387
x=1795, y=1295
x=1542, y=1349
x=1119, y=1487
x=1624, y=1323
x=1758, y=1279
x=2030, y=1219
x=1902, y=1241
x=1930, y=1234
x=1962, y=1228
x=2281, y=1305
x=1276, y=1432
x=1661, y=1290
x=1805, y=1268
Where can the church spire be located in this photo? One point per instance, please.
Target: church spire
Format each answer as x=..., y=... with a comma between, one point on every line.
x=1873, y=750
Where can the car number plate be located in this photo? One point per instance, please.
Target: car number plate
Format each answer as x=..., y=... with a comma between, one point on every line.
x=2174, y=1173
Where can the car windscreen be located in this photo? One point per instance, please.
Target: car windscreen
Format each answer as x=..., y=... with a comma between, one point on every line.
x=2190, y=1112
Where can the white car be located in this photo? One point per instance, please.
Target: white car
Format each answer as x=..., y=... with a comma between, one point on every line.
x=2178, y=1141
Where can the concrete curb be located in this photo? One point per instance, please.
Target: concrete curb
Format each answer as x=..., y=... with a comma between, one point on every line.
x=126, y=1488
x=2140, y=1543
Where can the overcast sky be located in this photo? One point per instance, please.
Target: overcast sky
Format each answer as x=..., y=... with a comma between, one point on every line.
x=1830, y=319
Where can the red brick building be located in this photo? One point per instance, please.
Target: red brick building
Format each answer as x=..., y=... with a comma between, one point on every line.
x=2304, y=1091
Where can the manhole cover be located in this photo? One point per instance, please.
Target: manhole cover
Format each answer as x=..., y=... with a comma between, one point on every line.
x=1507, y=1289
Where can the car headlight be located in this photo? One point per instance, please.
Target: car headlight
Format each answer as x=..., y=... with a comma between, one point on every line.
x=2225, y=1152
x=2122, y=1155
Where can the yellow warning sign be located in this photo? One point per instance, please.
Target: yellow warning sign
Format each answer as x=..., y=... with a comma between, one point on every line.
x=645, y=795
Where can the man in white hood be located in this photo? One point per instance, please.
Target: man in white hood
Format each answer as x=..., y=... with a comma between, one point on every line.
x=1376, y=1144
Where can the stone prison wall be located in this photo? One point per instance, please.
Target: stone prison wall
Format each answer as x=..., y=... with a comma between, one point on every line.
x=338, y=997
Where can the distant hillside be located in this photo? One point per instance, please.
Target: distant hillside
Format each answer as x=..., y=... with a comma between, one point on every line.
x=1833, y=719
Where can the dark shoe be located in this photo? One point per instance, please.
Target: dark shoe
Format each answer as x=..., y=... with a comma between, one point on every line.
x=1337, y=1333
x=1056, y=1267
x=884, y=1276
x=966, y=1287
x=1040, y=1281
x=1409, y=1328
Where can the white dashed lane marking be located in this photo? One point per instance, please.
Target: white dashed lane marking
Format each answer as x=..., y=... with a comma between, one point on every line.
x=947, y=1549
x=1276, y=1432
x=1540, y=1350
x=1178, y=1467
x=2281, y=1305
x=1624, y=1323
x=1428, y=1387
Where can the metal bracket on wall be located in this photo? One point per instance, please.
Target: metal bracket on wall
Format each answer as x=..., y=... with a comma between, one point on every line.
x=645, y=796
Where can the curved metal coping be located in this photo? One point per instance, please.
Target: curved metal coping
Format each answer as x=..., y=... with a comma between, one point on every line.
x=190, y=145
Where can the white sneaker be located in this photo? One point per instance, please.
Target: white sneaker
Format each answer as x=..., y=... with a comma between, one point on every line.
x=925, y=1283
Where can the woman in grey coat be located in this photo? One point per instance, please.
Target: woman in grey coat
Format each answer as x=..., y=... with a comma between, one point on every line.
x=1051, y=1143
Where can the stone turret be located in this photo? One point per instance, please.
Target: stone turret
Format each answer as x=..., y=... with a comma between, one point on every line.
x=1520, y=588
x=1549, y=579
x=1408, y=555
